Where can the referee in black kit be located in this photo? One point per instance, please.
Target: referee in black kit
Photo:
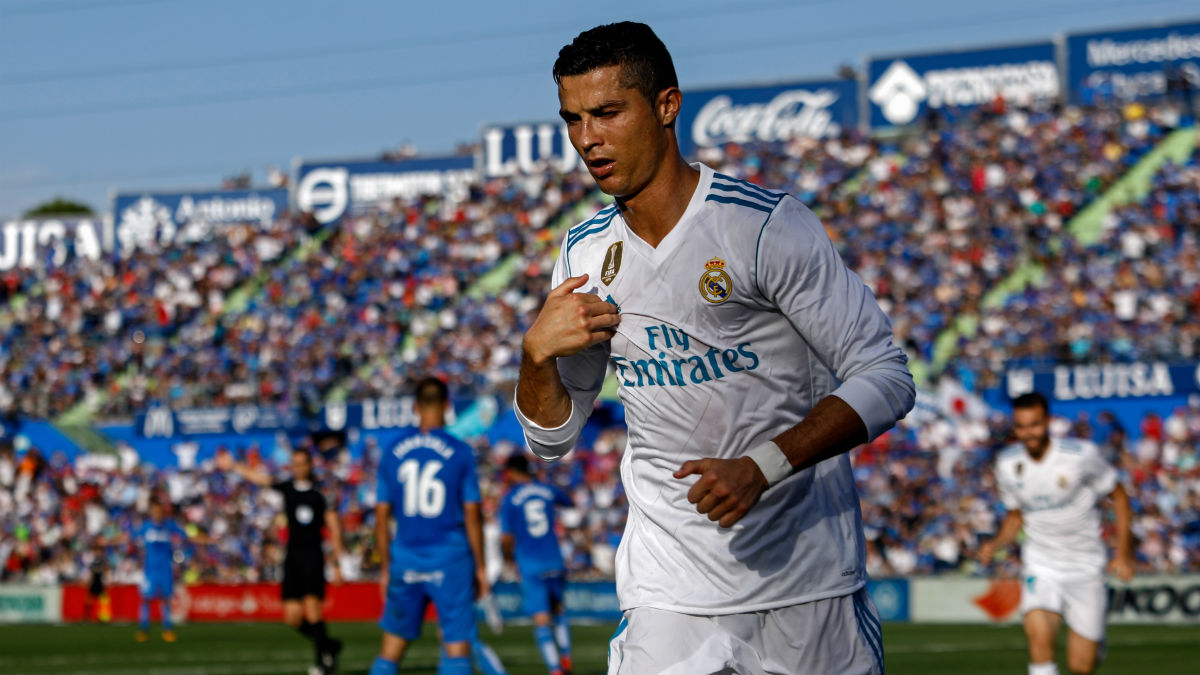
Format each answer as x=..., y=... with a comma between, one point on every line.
x=304, y=564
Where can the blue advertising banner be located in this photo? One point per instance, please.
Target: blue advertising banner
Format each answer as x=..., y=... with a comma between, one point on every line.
x=162, y=422
x=597, y=600
x=367, y=415
x=1127, y=391
x=47, y=243
x=331, y=189
x=1107, y=381
x=587, y=601
x=527, y=148
x=779, y=112
x=1133, y=63
x=165, y=218
x=902, y=90
x=891, y=598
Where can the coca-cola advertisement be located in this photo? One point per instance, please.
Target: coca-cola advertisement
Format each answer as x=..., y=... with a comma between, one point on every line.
x=778, y=112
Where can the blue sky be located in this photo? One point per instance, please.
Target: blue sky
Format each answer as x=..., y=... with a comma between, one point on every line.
x=100, y=95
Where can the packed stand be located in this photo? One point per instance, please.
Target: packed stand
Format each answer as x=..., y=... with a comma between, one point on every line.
x=927, y=492
x=353, y=315
x=929, y=497
x=70, y=330
x=1134, y=295
x=57, y=518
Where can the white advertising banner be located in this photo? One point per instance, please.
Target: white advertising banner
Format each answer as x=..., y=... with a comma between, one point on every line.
x=1145, y=599
x=30, y=604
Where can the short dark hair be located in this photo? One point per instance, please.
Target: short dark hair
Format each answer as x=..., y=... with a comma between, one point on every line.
x=518, y=462
x=1031, y=400
x=432, y=391
x=644, y=60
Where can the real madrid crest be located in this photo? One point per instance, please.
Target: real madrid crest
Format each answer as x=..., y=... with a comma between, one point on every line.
x=715, y=284
x=1062, y=482
x=612, y=263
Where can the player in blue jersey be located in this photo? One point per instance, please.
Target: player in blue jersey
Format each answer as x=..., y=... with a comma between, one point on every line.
x=156, y=537
x=427, y=482
x=528, y=538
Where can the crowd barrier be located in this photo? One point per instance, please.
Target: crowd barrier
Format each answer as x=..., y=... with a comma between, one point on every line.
x=961, y=600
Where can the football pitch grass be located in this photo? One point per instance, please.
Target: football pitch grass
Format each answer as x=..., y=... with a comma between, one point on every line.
x=271, y=648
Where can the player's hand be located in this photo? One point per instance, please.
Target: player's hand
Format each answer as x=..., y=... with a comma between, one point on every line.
x=1122, y=566
x=482, y=587
x=570, y=322
x=727, y=488
x=986, y=552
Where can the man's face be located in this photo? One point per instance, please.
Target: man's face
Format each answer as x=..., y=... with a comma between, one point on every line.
x=156, y=511
x=301, y=466
x=1031, y=427
x=618, y=133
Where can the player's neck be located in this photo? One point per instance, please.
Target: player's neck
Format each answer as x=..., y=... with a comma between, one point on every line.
x=1040, y=454
x=655, y=210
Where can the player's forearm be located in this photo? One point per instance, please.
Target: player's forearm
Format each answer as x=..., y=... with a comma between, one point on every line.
x=252, y=475
x=541, y=396
x=544, y=408
x=509, y=549
x=833, y=427
x=383, y=536
x=473, y=517
x=335, y=534
x=1009, y=529
x=1124, y=515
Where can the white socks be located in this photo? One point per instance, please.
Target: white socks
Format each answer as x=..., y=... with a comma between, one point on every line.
x=1047, y=668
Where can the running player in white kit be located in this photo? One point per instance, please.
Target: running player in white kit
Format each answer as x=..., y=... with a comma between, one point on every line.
x=749, y=357
x=1051, y=487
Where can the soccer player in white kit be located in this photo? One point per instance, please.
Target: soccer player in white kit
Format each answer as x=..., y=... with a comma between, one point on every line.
x=750, y=359
x=1051, y=487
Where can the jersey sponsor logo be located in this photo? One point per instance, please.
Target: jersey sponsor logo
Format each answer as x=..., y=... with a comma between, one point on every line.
x=304, y=514
x=711, y=365
x=612, y=263
x=715, y=284
x=418, y=577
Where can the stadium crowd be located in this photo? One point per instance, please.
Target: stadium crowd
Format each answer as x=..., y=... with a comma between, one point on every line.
x=931, y=221
x=927, y=493
x=1133, y=295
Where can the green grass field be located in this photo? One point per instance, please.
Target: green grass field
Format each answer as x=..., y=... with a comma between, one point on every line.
x=270, y=648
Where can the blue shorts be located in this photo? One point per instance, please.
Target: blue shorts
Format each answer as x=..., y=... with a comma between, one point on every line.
x=542, y=592
x=451, y=590
x=157, y=584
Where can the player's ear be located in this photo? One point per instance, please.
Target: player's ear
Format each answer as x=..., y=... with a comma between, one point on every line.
x=667, y=105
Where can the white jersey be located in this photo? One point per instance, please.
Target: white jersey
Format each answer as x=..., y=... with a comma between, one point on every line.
x=1058, y=497
x=732, y=329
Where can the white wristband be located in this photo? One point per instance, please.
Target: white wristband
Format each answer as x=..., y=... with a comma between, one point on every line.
x=771, y=460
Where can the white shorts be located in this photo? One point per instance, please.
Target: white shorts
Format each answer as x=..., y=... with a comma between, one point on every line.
x=1082, y=603
x=836, y=635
